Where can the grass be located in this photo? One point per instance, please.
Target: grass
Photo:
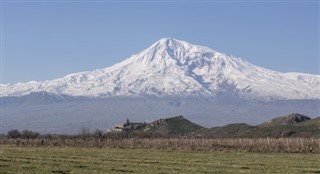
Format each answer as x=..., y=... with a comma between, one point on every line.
x=173, y=125
x=67, y=160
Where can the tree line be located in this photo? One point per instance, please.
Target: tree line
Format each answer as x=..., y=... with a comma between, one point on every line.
x=84, y=133
x=25, y=134
x=29, y=134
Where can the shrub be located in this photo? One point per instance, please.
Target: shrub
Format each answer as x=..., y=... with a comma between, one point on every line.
x=98, y=134
x=28, y=134
x=15, y=133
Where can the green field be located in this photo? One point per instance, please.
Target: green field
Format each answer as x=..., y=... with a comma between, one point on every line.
x=92, y=160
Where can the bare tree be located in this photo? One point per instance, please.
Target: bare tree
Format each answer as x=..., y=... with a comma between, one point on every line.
x=15, y=133
x=84, y=133
x=28, y=134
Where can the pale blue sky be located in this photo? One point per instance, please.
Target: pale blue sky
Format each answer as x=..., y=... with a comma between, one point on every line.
x=46, y=40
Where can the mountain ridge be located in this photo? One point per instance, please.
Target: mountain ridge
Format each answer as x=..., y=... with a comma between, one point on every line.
x=171, y=67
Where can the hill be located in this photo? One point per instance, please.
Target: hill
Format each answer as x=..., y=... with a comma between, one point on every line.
x=292, y=125
x=230, y=130
x=175, y=125
x=290, y=119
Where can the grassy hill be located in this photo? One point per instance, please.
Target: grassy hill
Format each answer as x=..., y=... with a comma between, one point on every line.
x=291, y=119
x=292, y=125
x=175, y=125
x=230, y=130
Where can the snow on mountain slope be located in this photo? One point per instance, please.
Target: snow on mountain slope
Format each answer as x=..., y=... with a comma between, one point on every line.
x=172, y=67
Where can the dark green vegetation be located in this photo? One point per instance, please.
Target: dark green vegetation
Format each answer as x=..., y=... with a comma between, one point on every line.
x=174, y=125
x=293, y=125
x=30, y=160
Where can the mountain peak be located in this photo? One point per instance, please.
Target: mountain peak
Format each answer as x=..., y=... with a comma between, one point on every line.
x=174, y=50
x=165, y=44
x=173, y=43
x=167, y=40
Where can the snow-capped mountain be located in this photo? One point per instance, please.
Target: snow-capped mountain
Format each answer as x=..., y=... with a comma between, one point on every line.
x=172, y=67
